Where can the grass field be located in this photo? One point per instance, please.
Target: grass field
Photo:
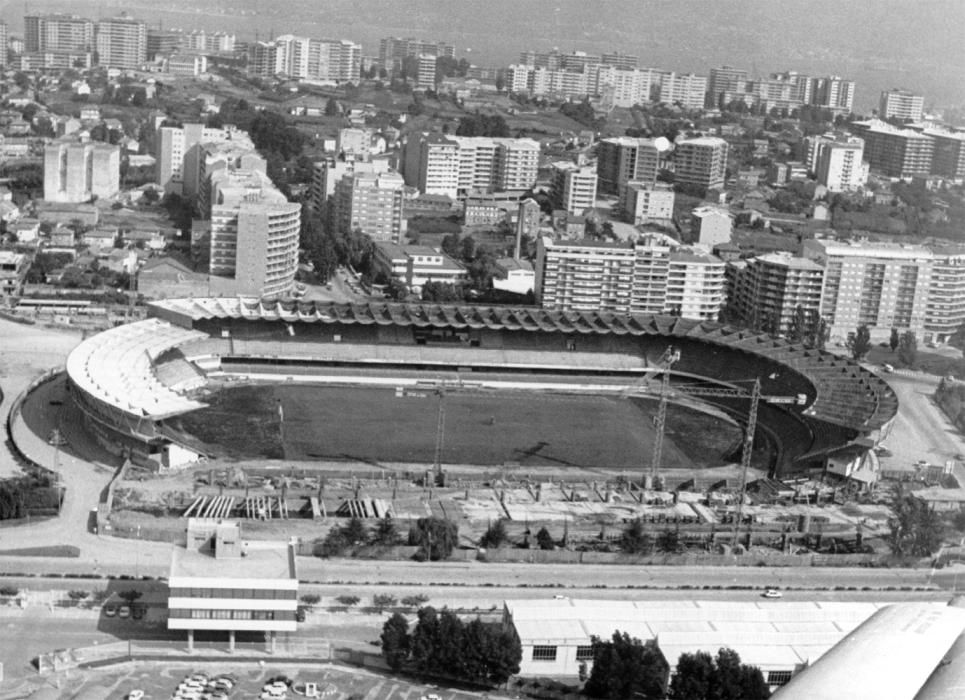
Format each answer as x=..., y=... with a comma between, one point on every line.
x=485, y=428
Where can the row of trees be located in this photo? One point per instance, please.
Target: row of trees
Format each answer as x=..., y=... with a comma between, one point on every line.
x=443, y=645
x=859, y=344
x=327, y=247
x=435, y=537
x=625, y=667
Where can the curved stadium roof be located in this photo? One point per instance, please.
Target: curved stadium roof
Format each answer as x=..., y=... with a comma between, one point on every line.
x=845, y=393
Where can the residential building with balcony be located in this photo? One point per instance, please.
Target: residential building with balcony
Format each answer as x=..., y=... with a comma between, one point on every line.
x=901, y=104
x=878, y=285
x=622, y=159
x=839, y=164
x=945, y=302
x=645, y=202
x=372, y=203
x=76, y=170
x=948, y=159
x=573, y=187
x=894, y=152
x=121, y=42
x=701, y=162
x=767, y=290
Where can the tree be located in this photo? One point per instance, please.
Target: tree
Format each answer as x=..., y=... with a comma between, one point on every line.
x=916, y=530
x=895, y=340
x=668, y=542
x=395, y=641
x=860, y=343
x=435, y=537
x=625, y=667
x=908, y=348
x=331, y=107
x=635, y=539
x=494, y=536
x=797, y=330
x=354, y=531
x=700, y=676
x=544, y=539
x=386, y=534
x=425, y=639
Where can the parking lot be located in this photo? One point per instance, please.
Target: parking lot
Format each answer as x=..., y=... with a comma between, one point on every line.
x=162, y=680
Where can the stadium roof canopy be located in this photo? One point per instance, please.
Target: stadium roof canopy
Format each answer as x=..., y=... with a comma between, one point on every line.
x=116, y=367
x=845, y=393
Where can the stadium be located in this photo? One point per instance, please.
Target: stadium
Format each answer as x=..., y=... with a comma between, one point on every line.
x=307, y=380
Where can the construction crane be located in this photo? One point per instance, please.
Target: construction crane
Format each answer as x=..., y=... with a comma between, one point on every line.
x=667, y=360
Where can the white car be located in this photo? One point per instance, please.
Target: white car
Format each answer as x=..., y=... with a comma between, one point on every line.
x=772, y=593
x=135, y=695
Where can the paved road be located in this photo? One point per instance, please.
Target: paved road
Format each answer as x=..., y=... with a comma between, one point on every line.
x=921, y=430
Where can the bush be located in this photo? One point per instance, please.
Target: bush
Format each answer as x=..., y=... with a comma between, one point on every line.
x=9, y=590
x=311, y=599
x=383, y=601
x=78, y=594
x=414, y=601
x=348, y=600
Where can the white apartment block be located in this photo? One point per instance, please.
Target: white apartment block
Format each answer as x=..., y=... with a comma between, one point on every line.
x=879, y=285
x=702, y=162
x=695, y=285
x=573, y=187
x=945, y=304
x=948, y=158
x=619, y=87
x=839, y=164
x=900, y=104
x=121, y=42
x=254, y=232
x=457, y=165
x=75, y=170
x=426, y=72
x=210, y=42
x=372, y=203
x=686, y=89
x=645, y=202
x=4, y=43
x=651, y=275
x=303, y=58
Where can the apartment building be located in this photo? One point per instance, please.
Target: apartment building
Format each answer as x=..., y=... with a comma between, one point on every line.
x=4, y=43
x=623, y=87
x=882, y=286
x=651, y=275
x=945, y=302
x=219, y=582
x=58, y=33
x=210, y=42
x=624, y=159
x=425, y=71
x=901, y=104
x=646, y=202
x=948, y=159
x=163, y=42
x=75, y=170
x=304, y=58
x=121, y=42
x=330, y=171
x=839, y=163
x=724, y=82
x=895, y=152
x=371, y=202
x=177, y=154
x=833, y=92
x=254, y=232
x=711, y=225
x=701, y=162
x=695, y=285
x=685, y=89
x=768, y=289
x=394, y=50
x=573, y=187
x=457, y=165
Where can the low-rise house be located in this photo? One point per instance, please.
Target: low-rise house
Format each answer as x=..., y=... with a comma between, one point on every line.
x=516, y=276
x=416, y=265
x=13, y=272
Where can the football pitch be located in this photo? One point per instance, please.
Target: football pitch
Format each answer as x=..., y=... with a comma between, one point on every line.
x=365, y=424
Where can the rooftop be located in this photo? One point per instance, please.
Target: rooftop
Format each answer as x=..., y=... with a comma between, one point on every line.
x=262, y=560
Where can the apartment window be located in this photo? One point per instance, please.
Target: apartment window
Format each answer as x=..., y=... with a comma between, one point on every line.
x=544, y=653
x=778, y=677
x=584, y=653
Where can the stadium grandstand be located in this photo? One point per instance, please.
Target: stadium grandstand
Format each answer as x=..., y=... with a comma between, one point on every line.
x=133, y=378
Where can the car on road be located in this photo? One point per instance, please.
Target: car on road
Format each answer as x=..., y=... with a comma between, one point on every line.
x=885, y=367
x=136, y=695
x=772, y=593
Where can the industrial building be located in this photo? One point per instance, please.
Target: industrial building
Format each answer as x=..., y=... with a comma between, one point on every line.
x=780, y=638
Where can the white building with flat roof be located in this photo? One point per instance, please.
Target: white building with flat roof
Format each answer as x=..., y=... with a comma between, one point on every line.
x=573, y=187
x=220, y=582
x=701, y=162
x=780, y=638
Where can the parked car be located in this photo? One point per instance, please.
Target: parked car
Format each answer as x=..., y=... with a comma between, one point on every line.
x=772, y=593
x=110, y=610
x=124, y=611
x=885, y=367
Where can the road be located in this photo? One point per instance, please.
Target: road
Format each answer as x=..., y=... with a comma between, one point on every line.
x=921, y=430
